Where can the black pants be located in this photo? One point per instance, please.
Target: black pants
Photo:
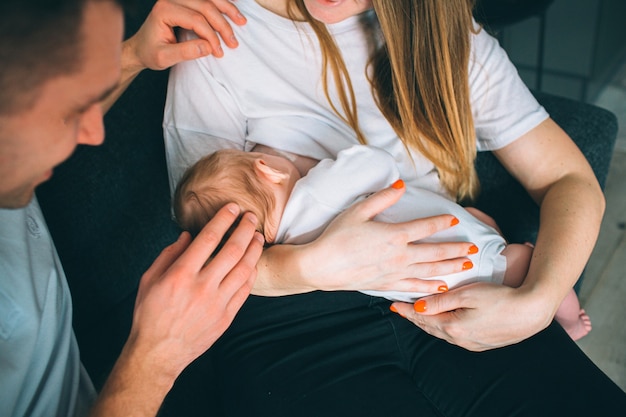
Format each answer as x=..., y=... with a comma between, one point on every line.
x=346, y=354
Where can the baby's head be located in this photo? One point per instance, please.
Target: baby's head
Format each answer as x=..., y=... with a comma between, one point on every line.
x=225, y=176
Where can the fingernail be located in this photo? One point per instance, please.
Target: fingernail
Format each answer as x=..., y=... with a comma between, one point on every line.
x=219, y=51
x=395, y=310
x=258, y=236
x=419, y=306
x=233, y=39
x=233, y=208
x=202, y=50
x=472, y=250
x=398, y=185
x=454, y=221
x=467, y=265
x=443, y=288
x=251, y=217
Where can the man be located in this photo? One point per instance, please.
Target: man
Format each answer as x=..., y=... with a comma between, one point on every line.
x=62, y=66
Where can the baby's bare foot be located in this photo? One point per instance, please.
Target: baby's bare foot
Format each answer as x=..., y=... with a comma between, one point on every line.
x=578, y=329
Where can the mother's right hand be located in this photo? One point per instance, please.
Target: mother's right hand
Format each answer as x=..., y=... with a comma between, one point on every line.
x=356, y=252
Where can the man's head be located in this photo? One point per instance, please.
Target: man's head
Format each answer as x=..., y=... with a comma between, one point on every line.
x=59, y=58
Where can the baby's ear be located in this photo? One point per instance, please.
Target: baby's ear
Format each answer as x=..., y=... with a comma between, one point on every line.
x=273, y=175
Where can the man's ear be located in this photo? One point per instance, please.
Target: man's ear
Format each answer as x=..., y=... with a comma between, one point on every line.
x=273, y=175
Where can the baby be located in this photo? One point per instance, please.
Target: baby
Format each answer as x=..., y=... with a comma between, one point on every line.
x=295, y=198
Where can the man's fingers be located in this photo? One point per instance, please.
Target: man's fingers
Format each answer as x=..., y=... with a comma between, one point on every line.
x=172, y=54
x=240, y=285
x=235, y=250
x=228, y=8
x=166, y=258
x=214, y=13
x=175, y=15
x=206, y=20
x=209, y=238
x=245, y=269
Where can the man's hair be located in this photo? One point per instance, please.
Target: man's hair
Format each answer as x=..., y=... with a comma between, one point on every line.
x=39, y=40
x=225, y=176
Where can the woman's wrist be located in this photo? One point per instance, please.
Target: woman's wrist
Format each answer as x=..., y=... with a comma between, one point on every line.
x=541, y=299
x=283, y=270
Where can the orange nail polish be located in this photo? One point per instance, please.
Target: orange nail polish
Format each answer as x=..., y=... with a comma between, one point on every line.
x=398, y=185
x=419, y=306
x=393, y=308
x=467, y=265
x=454, y=221
x=472, y=250
x=443, y=288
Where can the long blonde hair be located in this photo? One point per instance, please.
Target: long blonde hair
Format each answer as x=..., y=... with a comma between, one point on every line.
x=420, y=80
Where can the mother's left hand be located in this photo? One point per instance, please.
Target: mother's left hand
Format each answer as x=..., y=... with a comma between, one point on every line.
x=480, y=316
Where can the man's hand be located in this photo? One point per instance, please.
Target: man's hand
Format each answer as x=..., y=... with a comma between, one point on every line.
x=155, y=46
x=186, y=300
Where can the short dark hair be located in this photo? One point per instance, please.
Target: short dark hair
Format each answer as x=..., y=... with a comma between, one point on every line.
x=39, y=40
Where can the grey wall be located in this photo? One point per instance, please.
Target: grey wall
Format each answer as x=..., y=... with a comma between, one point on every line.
x=584, y=42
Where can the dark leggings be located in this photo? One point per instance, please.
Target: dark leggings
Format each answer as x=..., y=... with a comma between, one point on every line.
x=346, y=354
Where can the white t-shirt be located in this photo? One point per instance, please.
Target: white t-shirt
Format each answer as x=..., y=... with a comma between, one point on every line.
x=40, y=369
x=334, y=185
x=268, y=90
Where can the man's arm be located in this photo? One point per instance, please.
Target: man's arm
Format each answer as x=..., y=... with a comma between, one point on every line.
x=155, y=45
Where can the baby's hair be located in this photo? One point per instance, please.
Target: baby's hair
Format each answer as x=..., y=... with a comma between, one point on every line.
x=225, y=176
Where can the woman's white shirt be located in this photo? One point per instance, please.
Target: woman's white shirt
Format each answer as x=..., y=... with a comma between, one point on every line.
x=269, y=90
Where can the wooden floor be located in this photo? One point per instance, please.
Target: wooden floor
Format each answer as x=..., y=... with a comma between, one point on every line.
x=603, y=293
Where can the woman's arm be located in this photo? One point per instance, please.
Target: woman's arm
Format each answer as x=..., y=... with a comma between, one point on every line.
x=484, y=316
x=358, y=253
x=155, y=45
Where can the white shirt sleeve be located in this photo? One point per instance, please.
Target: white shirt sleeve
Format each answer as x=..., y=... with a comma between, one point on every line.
x=502, y=105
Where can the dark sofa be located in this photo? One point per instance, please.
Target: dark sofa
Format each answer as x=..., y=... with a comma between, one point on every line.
x=108, y=209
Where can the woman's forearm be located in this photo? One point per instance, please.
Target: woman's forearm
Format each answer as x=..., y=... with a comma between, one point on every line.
x=570, y=218
x=559, y=178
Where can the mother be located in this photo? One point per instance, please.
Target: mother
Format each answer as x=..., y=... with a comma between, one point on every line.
x=431, y=91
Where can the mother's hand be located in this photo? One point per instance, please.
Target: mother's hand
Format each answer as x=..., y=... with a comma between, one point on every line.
x=356, y=252
x=480, y=316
